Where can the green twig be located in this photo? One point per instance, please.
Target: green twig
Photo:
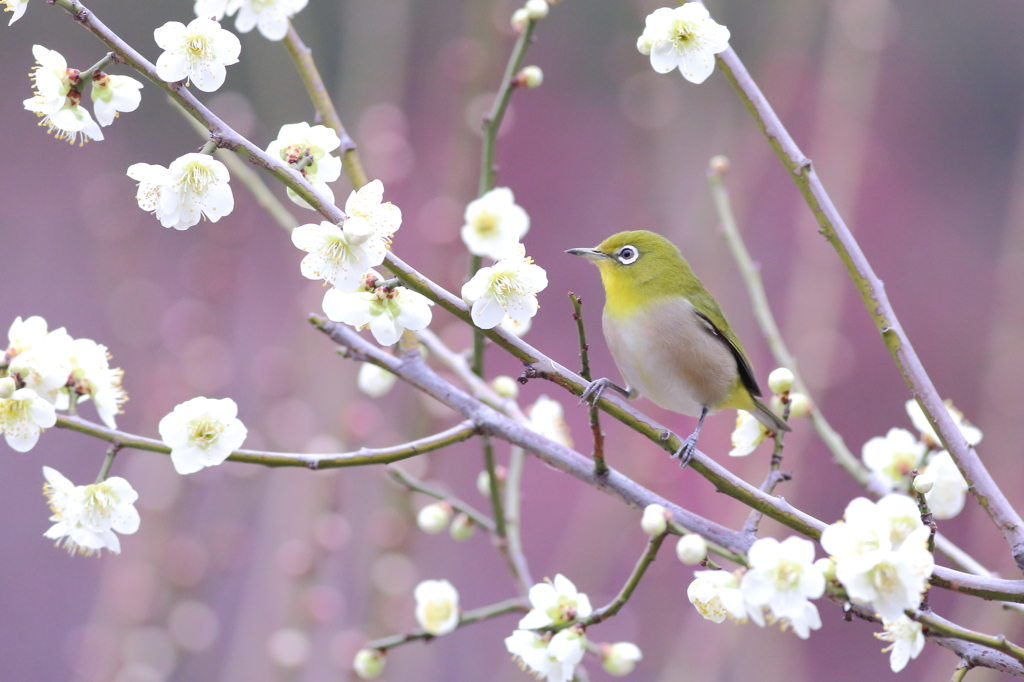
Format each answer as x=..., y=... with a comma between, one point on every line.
x=774, y=475
x=361, y=457
x=960, y=672
x=413, y=483
x=108, y=460
x=495, y=487
x=600, y=467
x=942, y=627
x=610, y=609
x=513, y=487
x=302, y=56
x=517, y=604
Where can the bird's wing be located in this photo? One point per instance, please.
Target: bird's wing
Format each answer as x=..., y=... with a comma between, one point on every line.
x=742, y=364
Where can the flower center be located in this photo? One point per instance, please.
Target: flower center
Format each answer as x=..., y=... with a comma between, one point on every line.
x=486, y=224
x=506, y=286
x=12, y=414
x=787, y=575
x=204, y=431
x=683, y=34
x=198, y=177
x=884, y=578
x=438, y=612
x=99, y=501
x=198, y=48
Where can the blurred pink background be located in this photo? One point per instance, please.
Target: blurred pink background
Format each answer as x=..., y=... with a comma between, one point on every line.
x=911, y=111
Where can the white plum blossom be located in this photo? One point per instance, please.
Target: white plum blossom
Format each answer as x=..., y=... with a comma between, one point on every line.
x=685, y=37
x=437, y=606
x=747, y=435
x=23, y=415
x=199, y=52
x=39, y=359
x=547, y=657
x=892, y=458
x=514, y=328
x=547, y=417
x=382, y=219
x=51, y=81
x=270, y=16
x=375, y=381
x=295, y=141
x=881, y=554
x=194, y=187
x=338, y=255
x=948, y=486
x=113, y=94
x=620, y=658
x=16, y=7
x=907, y=641
x=555, y=603
x=783, y=577
x=971, y=434
x=716, y=594
x=202, y=432
x=86, y=516
x=494, y=224
x=93, y=377
x=25, y=334
x=506, y=289
x=387, y=311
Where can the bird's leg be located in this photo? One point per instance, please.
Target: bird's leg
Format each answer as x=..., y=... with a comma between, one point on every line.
x=596, y=389
x=689, y=446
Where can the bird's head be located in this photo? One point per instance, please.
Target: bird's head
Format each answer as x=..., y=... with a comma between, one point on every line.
x=637, y=262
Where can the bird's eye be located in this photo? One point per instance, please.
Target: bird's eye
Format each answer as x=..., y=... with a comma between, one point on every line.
x=628, y=254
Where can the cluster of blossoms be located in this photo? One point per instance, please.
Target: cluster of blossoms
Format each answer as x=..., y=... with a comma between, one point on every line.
x=343, y=256
x=547, y=655
x=504, y=293
x=684, y=37
x=58, y=96
x=893, y=457
x=269, y=16
x=879, y=554
x=44, y=371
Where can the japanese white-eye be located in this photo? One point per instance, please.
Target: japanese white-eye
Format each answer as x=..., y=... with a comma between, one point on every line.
x=668, y=336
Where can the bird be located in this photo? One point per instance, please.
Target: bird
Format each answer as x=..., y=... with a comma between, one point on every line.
x=668, y=336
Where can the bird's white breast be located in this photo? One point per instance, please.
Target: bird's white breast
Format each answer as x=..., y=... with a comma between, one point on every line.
x=668, y=355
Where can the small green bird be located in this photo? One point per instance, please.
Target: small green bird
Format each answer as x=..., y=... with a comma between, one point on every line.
x=668, y=336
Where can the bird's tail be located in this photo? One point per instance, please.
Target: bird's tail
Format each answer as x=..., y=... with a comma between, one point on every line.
x=771, y=420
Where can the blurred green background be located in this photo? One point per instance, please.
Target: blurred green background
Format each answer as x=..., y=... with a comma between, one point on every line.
x=911, y=111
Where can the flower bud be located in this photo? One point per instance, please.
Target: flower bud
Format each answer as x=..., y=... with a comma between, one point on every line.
x=519, y=19
x=434, y=517
x=375, y=381
x=780, y=380
x=827, y=568
x=923, y=484
x=483, y=480
x=530, y=77
x=718, y=165
x=620, y=658
x=536, y=9
x=505, y=386
x=691, y=549
x=655, y=519
x=369, y=663
x=462, y=528
x=7, y=387
x=357, y=229
x=799, y=405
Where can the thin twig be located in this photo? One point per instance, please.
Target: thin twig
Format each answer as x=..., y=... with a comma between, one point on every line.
x=610, y=609
x=514, y=605
x=513, y=487
x=751, y=274
x=412, y=483
x=302, y=56
x=774, y=476
x=494, y=486
x=600, y=468
x=872, y=293
x=361, y=457
x=960, y=672
x=942, y=627
x=108, y=461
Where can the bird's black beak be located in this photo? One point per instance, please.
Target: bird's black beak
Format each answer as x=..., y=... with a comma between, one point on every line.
x=589, y=254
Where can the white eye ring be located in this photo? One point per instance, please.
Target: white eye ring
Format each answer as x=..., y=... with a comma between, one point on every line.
x=628, y=254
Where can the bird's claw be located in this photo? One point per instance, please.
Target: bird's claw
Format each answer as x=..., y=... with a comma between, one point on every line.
x=685, y=452
x=594, y=391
